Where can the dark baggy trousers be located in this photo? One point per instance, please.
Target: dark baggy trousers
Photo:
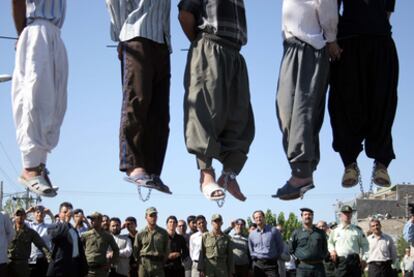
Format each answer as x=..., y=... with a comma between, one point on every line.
x=380, y=269
x=300, y=103
x=218, y=117
x=145, y=106
x=349, y=266
x=363, y=98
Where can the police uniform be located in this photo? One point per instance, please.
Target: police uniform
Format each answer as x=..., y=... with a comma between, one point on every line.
x=349, y=242
x=20, y=248
x=151, y=247
x=216, y=255
x=309, y=246
x=96, y=246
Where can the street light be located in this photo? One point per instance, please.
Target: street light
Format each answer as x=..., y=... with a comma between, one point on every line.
x=5, y=78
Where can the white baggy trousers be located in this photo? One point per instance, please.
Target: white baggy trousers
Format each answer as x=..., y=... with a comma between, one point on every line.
x=39, y=90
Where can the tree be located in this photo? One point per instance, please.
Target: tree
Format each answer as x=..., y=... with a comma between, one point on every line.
x=402, y=244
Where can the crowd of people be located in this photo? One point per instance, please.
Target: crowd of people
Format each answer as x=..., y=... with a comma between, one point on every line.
x=74, y=245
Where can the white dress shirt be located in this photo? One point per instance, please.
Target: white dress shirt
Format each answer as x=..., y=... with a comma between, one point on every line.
x=125, y=251
x=195, y=245
x=311, y=21
x=381, y=248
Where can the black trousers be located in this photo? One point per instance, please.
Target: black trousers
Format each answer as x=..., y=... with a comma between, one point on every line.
x=39, y=269
x=363, y=98
x=380, y=269
x=145, y=113
x=265, y=269
x=306, y=270
x=349, y=266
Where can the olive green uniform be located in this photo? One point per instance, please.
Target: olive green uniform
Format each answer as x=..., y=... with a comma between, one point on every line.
x=19, y=251
x=96, y=245
x=309, y=246
x=151, y=248
x=216, y=255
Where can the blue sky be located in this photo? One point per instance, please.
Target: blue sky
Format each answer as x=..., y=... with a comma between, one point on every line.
x=85, y=163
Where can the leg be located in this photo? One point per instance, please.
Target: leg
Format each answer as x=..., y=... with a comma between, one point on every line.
x=137, y=97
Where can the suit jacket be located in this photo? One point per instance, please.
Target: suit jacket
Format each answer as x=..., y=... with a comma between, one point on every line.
x=62, y=246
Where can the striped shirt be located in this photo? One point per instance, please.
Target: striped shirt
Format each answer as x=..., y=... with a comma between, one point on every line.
x=223, y=18
x=52, y=10
x=140, y=18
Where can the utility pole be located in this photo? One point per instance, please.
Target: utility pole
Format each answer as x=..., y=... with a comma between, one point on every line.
x=406, y=204
x=1, y=196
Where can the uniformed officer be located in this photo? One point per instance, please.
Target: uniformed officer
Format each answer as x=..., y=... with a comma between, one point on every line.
x=348, y=246
x=216, y=255
x=151, y=247
x=96, y=242
x=20, y=247
x=308, y=244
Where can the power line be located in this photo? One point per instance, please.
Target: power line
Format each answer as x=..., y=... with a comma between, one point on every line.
x=8, y=177
x=8, y=158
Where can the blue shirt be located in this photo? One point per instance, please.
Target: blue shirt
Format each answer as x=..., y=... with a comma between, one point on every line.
x=52, y=10
x=266, y=243
x=408, y=232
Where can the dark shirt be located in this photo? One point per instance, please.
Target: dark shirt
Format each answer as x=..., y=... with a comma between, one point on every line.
x=266, y=243
x=177, y=244
x=364, y=17
x=308, y=245
x=224, y=18
x=20, y=247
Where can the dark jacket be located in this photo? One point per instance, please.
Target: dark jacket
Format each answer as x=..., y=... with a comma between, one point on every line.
x=62, y=246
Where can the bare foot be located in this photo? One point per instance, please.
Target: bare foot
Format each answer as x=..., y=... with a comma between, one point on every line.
x=231, y=186
x=298, y=182
x=136, y=171
x=208, y=176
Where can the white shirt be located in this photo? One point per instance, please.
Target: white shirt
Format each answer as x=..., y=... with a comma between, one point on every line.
x=41, y=229
x=195, y=245
x=381, y=249
x=311, y=21
x=407, y=263
x=6, y=235
x=125, y=251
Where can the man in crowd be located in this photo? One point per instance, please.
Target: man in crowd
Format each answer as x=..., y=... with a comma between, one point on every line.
x=131, y=225
x=178, y=250
x=216, y=255
x=382, y=251
x=302, y=85
x=192, y=225
x=195, y=244
x=407, y=264
x=408, y=231
x=20, y=246
x=142, y=28
x=105, y=222
x=308, y=244
x=81, y=223
x=38, y=262
x=39, y=88
x=7, y=234
x=68, y=255
x=96, y=242
x=240, y=245
x=151, y=246
x=218, y=117
x=265, y=246
x=348, y=246
x=121, y=268
x=181, y=230
x=328, y=264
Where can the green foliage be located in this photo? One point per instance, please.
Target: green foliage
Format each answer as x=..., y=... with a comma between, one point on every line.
x=402, y=244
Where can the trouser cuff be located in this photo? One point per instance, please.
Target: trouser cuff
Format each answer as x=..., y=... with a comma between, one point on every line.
x=204, y=162
x=234, y=162
x=302, y=170
x=34, y=157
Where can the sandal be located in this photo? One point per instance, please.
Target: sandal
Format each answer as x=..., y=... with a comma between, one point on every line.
x=228, y=180
x=380, y=177
x=159, y=185
x=351, y=176
x=289, y=192
x=38, y=185
x=209, y=189
x=141, y=180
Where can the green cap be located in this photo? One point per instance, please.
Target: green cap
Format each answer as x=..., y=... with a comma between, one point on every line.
x=20, y=211
x=346, y=209
x=216, y=217
x=151, y=210
x=95, y=215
